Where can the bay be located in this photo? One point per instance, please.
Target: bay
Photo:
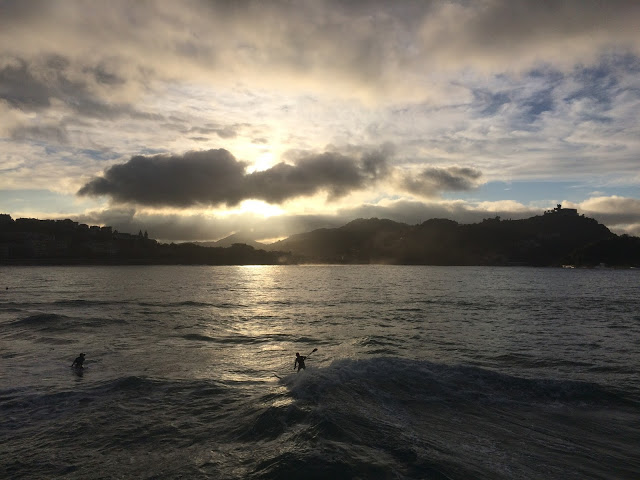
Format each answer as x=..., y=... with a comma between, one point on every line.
x=420, y=372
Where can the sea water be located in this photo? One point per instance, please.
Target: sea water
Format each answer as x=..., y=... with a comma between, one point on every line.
x=419, y=373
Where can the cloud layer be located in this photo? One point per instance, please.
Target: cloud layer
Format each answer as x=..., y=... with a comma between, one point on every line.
x=97, y=58
x=468, y=93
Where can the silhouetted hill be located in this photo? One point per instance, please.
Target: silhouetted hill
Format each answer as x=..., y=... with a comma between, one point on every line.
x=233, y=239
x=623, y=250
x=61, y=242
x=351, y=243
x=558, y=237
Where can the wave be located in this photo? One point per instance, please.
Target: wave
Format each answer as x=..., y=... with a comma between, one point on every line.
x=192, y=303
x=532, y=361
x=41, y=318
x=375, y=341
x=138, y=385
x=147, y=393
x=85, y=303
x=198, y=337
x=382, y=417
x=388, y=417
x=411, y=380
x=235, y=339
x=388, y=402
x=10, y=307
x=51, y=321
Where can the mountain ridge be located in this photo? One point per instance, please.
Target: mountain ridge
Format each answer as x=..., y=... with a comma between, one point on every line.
x=233, y=239
x=558, y=237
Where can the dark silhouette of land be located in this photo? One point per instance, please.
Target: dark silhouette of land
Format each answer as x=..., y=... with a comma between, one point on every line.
x=28, y=241
x=232, y=240
x=559, y=237
x=556, y=238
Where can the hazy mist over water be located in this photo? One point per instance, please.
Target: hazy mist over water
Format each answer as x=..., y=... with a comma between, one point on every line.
x=421, y=372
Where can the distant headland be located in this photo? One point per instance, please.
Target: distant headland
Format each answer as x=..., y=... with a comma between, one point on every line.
x=29, y=241
x=558, y=237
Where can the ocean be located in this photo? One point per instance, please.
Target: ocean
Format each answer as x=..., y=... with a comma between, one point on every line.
x=420, y=373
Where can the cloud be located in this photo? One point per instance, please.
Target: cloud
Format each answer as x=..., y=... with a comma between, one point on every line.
x=85, y=87
x=209, y=177
x=374, y=46
x=53, y=134
x=433, y=181
x=620, y=213
x=215, y=177
x=116, y=62
x=489, y=34
x=335, y=173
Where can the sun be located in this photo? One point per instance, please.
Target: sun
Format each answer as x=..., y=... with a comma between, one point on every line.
x=264, y=162
x=258, y=207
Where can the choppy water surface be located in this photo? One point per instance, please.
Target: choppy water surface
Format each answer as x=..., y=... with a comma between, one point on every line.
x=420, y=372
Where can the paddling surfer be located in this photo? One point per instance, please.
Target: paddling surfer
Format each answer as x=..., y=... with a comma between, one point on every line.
x=299, y=362
x=77, y=363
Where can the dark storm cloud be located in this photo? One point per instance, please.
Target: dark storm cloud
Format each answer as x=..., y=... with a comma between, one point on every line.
x=431, y=181
x=215, y=177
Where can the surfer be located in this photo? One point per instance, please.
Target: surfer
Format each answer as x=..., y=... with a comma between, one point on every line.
x=299, y=362
x=77, y=363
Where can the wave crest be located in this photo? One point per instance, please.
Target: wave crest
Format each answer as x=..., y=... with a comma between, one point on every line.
x=405, y=380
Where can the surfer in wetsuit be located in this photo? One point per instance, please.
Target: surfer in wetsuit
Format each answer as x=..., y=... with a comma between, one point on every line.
x=299, y=362
x=77, y=363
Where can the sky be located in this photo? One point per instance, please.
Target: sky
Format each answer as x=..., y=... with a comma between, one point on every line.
x=194, y=120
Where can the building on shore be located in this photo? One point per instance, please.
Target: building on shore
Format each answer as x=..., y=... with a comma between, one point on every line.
x=567, y=212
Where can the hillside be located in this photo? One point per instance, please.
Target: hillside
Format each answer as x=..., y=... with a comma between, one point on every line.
x=232, y=240
x=356, y=242
x=29, y=241
x=552, y=239
x=558, y=237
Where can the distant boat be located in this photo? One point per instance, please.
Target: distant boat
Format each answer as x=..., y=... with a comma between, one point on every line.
x=568, y=266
